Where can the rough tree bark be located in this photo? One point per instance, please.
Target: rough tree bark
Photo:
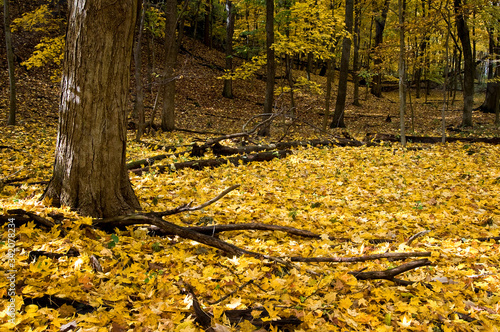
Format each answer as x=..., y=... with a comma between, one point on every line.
x=271, y=67
x=469, y=67
x=338, y=115
x=89, y=170
x=11, y=121
x=379, y=33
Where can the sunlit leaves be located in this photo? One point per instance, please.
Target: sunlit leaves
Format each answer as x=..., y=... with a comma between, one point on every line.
x=348, y=195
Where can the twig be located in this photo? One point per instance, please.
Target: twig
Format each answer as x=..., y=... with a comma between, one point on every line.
x=188, y=207
x=411, y=239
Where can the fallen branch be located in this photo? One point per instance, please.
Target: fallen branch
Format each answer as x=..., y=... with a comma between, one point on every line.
x=376, y=138
x=200, y=164
x=19, y=184
x=256, y=316
x=419, y=234
x=20, y=213
x=486, y=239
x=215, y=229
x=391, y=273
x=388, y=255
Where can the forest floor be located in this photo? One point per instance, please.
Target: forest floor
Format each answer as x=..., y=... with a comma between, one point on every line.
x=360, y=201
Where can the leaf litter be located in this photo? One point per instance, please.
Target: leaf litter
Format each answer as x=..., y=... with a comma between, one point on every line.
x=349, y=195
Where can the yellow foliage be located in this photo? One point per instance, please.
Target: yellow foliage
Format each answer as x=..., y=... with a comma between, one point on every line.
x=354, y=193
x=39, y=20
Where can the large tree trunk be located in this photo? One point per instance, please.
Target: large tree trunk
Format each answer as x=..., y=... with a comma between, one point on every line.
x=379, y=33
x=168, y=109
x=10, y=62
x=271, y=67
x=338, y=115
x=228, y=83
x=89, y=169
x=469, y=67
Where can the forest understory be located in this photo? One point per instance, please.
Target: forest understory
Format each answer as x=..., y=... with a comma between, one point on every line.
x=373, y=237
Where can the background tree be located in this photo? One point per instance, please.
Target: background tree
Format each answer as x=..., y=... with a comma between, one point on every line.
x=355, y=60
x=379, y=38
x=171, y=51
x=139, y=89
x=89, y=170
x=11, y=120
x=469, y=67
x=270, y=68
x=402, y=70
x=492, y=96
x=228, y=83
x=338, y=115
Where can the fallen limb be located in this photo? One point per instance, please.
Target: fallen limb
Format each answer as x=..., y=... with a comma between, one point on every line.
x=391, y=273
x=378, y=138
x=19, y=184
x=154, y=146
x=215, y=229
x=486, y=239
x=19, y=213
x=389, y=255
x=257, y=316
x=200, y=164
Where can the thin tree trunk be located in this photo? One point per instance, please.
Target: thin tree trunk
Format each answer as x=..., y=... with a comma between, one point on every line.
x=309, y=65
x=11, y=121
x=168, y=108
x=207, y=32
x=355, y=61
x=379, y=32
x=228, y=83
x=330, y=77
x=338, y=115
x=468, y=87
x=422, y=52
x=445, y=86
x=139, y=90
x=402, y=71
x=368, y=57
x=492, y=97
x=271, y=67
x=89, y=170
